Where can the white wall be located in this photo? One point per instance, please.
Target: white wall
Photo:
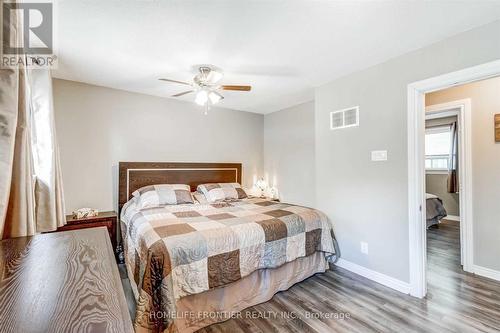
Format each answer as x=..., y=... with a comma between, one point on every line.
x=289, y=153
x=368, y=201
x=485, y=103
x=97, y=127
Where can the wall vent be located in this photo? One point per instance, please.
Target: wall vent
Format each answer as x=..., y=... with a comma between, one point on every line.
x=344, y=118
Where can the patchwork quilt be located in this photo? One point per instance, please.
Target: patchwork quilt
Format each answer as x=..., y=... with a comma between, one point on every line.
x=177, y=250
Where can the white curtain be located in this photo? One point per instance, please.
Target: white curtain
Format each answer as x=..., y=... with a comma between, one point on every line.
x=17, y=202
x=17, y=176
x=31, y=194
x=49, y=195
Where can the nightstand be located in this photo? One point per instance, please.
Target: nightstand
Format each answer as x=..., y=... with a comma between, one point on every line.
x=265, y=198
x=103, y=219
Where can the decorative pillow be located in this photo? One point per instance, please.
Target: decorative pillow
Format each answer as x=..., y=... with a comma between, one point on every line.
x=164, y=194
x=200, y=197
x=222, y=191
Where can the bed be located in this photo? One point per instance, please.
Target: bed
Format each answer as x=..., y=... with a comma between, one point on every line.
x=192, y=265
x=435, y=210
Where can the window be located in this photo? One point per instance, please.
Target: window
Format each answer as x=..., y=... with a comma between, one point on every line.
x=437, y=148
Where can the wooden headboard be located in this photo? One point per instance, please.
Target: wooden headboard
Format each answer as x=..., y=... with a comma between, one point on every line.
x=134, y=175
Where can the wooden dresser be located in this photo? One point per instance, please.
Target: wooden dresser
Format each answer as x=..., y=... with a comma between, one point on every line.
x=61, y=282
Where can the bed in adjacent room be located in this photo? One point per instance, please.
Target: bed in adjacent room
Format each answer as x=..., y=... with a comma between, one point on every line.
x=194, y=263
x=435, y=210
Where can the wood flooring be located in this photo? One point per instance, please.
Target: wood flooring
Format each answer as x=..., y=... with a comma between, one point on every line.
x=341, y=301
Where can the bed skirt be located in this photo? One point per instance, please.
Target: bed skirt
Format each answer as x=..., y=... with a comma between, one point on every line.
x=216, y=305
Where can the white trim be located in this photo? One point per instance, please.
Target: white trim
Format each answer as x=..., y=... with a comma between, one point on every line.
x=386, y=280
x=436, y=171
x=486, y=272
x=432, y=113
x=471, y=74
x=452, y=218
x=416, y=195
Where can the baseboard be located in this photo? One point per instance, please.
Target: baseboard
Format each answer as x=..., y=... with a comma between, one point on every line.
x=486, y=272
x=386, y=280
x=452, y=218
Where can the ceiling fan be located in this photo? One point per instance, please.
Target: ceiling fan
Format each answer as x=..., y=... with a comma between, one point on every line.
x=206, y=86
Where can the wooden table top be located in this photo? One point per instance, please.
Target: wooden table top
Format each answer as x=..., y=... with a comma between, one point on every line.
x=61, y=282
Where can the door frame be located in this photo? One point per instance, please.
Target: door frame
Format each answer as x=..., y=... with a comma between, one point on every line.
x=416, y=167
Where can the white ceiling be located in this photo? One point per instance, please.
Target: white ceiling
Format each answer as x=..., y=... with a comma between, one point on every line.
x=282, y=48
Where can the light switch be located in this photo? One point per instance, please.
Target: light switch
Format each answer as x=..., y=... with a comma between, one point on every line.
x=364, y=247
x=379, y=155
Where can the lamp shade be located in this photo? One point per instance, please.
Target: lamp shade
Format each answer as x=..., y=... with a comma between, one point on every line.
x=261, y=184
x=214, y=98
x=201, y=97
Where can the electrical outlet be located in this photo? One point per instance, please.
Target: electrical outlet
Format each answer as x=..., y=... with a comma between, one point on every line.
x=364, y=247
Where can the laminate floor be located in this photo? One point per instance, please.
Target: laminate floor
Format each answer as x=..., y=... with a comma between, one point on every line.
x=341, y=301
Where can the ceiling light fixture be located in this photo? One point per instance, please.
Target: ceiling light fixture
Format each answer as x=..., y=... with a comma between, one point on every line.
x=201, y=97
x=206, y=86
x=214, y=97
x=206, y=97
x=214, y=76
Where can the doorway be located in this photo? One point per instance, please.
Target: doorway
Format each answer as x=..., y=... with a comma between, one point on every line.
x=416, y=170
x=444, y=152
x=447, y=152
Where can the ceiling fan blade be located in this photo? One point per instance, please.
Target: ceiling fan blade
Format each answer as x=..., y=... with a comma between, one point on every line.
x=215, y=99
x=236, y=88
x=175, y=81
x=183, y=93
x=221, y=97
